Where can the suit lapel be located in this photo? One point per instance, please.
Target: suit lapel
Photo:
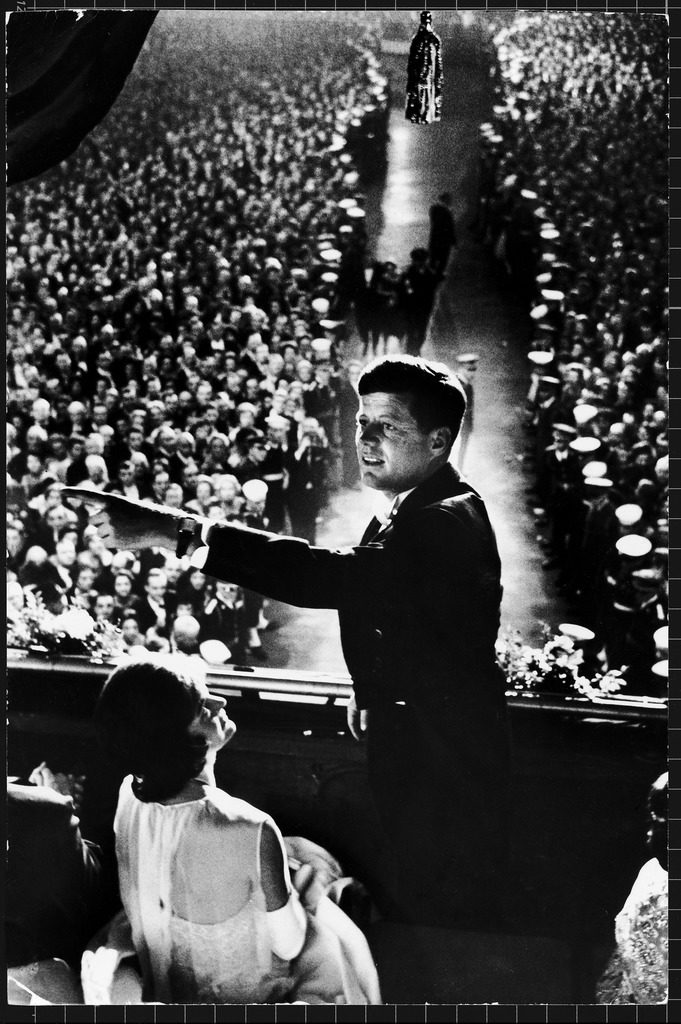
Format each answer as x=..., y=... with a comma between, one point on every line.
x=371, y=531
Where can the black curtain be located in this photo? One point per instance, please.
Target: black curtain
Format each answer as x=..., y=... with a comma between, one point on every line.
x=64, y=72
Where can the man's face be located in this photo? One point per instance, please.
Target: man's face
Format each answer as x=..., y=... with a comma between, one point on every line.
x=104, y=607
x=56, y=517
x=66, y=553
x=156, y=588
x=123, y=586
x=258, y=451
x=160, y=485
x=394, y=453
x=130, y=631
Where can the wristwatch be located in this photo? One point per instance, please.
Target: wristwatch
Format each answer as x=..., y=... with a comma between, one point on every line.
x=186, y=531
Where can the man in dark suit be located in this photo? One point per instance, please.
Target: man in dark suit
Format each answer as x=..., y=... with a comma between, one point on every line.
x=418, y=602
x=442, y=234
x=418, y=283
x=54, y=899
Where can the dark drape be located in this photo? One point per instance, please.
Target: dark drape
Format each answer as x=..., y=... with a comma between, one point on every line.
x=64, y=72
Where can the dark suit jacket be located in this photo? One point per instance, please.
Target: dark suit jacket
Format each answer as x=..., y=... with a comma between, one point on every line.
x=419, y=613
x=418, y=608
x=53, y=886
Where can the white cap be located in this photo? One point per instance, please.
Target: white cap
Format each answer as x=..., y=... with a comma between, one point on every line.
x=320, y=305
x=254, y=490
x=601, y=482
x=595, y=468
x=540, y=357
x=634, y=546
x=661, y=668
x=584, y=413
x=331, y=255
x=277, y=422
x=629, y=515
x=661, y=638
x=581, y=634
x=585, y=445
x=214, y=652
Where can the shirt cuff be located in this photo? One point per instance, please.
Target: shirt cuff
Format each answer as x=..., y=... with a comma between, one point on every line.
x=198, y=558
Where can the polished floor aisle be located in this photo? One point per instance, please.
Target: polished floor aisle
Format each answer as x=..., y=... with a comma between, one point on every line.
x=474, y=311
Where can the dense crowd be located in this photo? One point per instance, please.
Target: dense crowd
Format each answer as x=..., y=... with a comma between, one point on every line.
x=177, y=295
x=573, y=202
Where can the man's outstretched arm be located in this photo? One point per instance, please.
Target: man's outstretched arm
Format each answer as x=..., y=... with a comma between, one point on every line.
x=283, y=568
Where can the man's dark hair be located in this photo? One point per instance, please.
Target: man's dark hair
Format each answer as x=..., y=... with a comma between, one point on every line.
x=142, y=719
x=435, y=394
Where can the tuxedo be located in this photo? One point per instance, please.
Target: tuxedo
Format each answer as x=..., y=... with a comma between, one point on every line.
x=418, y=602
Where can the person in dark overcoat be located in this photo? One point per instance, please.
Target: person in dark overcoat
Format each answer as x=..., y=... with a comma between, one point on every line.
x=442, y=234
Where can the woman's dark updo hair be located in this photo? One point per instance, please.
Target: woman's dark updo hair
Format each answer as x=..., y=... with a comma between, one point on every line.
x=657, y=827
x=142, y=720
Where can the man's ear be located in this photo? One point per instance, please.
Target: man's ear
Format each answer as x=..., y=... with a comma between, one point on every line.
x=440, y=440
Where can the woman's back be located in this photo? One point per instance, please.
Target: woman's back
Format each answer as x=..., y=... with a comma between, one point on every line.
x=191, y=887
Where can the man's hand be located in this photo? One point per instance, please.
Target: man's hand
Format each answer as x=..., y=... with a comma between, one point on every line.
x=67, y=784
x=127, y=525
x=309, y=886
x=358, y=720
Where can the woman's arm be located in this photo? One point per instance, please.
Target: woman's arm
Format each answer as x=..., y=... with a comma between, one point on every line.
x=286, y=918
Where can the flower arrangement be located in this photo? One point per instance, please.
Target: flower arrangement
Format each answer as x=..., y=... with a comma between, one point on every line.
x=554, y=668
x=33, y=627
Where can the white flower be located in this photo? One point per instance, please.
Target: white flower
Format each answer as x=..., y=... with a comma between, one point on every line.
x=611, y=683
x=76, y=623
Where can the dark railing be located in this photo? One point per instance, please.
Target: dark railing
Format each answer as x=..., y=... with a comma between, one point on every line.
x=581, y=773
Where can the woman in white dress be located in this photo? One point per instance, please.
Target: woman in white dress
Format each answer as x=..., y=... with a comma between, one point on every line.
x=204, y=879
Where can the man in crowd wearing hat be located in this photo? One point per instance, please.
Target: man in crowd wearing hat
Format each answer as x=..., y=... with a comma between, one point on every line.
x=563, y=487
x=418, y=283
x=599, y=533
x=418, y=602
x=307, y=487
x=628, y=600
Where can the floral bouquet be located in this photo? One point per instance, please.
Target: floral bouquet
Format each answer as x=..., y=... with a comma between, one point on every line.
x=33, y=627
x=553, y=668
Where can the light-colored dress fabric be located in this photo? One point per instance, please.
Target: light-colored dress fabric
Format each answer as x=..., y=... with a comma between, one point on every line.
x=178, y=864
x=637, y=970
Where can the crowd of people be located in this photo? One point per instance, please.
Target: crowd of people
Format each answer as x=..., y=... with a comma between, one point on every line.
x=176, y=319
x=176, y=327
x=573, y=203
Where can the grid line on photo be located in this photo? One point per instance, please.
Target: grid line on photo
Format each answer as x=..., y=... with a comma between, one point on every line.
x=612, y=1014
x=579, y=6
x=675, y=491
